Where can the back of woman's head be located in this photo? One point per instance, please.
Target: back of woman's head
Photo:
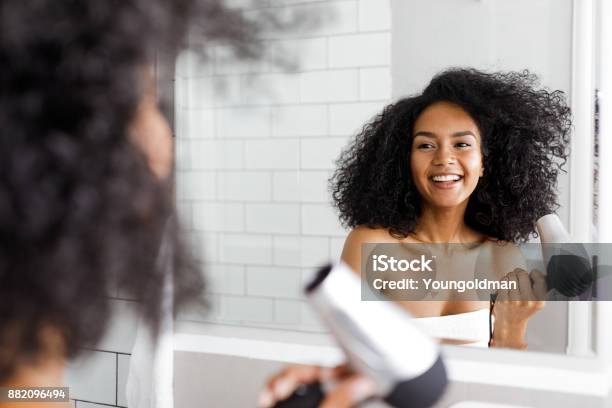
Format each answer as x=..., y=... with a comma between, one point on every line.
x=81, y=214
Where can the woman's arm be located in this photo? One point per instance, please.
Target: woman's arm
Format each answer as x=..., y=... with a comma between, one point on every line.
x=513, y=308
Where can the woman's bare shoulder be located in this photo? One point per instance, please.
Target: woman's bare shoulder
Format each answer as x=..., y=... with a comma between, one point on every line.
x=351, y=253
x=363, y=234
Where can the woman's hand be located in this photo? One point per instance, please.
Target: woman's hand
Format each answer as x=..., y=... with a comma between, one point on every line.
x=350, y=389
x=514, y=307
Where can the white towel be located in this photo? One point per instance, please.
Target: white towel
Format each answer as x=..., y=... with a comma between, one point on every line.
x=150, y=382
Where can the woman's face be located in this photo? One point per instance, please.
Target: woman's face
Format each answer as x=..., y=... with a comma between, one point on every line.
x=446, y=159
x=151, y=132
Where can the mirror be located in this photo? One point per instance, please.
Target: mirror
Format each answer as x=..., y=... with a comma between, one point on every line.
x=256, y=142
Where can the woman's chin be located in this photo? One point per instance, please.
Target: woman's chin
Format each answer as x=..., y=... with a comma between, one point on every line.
x=447, y=203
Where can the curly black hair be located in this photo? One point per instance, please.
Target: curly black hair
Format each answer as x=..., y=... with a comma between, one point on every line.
x=525, y=133
x=81, y=213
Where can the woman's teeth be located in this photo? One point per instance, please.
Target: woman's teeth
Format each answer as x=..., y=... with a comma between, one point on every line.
x=453, y=177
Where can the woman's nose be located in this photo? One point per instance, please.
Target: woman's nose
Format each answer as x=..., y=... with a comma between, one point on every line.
x=444, y=155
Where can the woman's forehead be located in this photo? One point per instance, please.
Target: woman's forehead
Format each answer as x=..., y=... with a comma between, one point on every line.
x=445, y=118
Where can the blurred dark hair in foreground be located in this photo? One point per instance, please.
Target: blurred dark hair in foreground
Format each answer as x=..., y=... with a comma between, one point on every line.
x=81, y=214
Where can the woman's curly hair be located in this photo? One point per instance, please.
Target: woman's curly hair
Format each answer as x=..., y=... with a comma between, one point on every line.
x=81, y=214
x=525, y=133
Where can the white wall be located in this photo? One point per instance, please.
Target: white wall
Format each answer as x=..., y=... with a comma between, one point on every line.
x=256, y=144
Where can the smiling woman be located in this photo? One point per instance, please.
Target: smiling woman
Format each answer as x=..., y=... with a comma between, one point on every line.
x=474, y=159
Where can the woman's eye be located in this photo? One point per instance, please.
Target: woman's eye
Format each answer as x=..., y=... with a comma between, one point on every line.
x=425, y=146
x=462, y=145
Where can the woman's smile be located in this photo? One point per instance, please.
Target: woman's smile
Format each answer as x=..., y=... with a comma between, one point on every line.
x=446, y=181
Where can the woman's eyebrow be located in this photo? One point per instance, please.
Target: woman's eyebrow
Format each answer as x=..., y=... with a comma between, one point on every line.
x=426, y=134
x=433, y=135
x=464, y=133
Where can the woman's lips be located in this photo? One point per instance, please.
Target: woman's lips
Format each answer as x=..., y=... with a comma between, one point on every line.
x=445, y=185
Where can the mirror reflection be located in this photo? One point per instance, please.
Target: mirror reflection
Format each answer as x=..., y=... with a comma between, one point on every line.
x=380, y=133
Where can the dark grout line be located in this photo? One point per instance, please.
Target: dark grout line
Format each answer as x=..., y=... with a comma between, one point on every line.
x=106, y=351
x=93, y=402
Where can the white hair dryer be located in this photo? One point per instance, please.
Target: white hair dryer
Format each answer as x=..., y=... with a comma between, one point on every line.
x=379, y=340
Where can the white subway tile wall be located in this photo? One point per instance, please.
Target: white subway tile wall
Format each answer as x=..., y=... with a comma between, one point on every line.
x=256, y=146
x=123, y=366
x=92, y=378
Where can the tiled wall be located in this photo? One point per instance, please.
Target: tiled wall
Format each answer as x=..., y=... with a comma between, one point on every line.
x=256, y=143
x=98, y=377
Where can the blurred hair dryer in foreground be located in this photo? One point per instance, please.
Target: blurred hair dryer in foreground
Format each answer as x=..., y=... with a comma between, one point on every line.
x=379, y=340
x=568, y=268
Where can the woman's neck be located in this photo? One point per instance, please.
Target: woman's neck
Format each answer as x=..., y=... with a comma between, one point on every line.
x=46, y=369
x=48, y=372
x=444, y=225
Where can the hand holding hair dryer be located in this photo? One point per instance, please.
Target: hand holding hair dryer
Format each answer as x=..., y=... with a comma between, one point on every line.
x=379, y=340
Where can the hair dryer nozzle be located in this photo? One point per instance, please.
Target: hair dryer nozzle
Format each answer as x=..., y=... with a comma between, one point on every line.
x=568, y=269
